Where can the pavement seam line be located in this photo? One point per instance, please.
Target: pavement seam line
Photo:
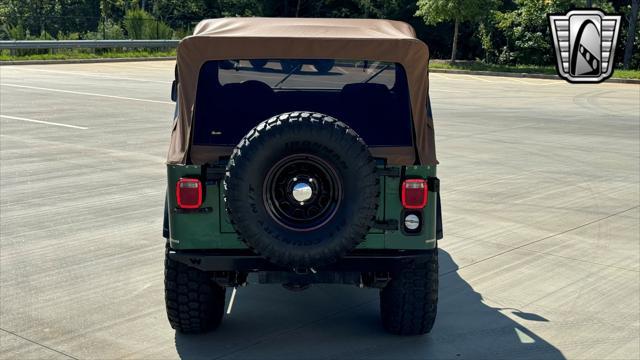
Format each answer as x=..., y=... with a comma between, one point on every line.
x=580, y=260
x=539, y=240
x=94, y=75
x=87, y=94
x=42, y=345
x=43, y=122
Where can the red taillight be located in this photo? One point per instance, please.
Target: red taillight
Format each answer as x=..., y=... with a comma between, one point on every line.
x=189, y=193
x=414, y=193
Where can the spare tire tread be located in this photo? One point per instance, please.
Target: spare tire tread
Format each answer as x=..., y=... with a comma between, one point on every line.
x=308, y=121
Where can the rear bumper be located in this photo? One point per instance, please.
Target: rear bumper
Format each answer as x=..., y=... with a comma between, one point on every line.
x=247, y=261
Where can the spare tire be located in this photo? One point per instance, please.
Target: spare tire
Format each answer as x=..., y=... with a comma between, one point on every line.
x=324, y=66
x=301, y=189
x=258, y=63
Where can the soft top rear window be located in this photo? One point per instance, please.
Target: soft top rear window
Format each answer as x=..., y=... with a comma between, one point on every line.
x=233, y=96
x=310, y=74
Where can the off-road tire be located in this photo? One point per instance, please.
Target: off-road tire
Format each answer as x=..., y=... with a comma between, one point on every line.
x=316, y=135
x=194, y=303
x=408, y=304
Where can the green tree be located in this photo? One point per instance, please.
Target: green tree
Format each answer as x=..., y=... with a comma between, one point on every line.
x=76, y=16
x=526, y=28
x=139, y=24
x=240, y=8
x=115, y=9
x=50, y=16
x=383, y=9
x=31, y=15
x=180, y=13
x=436, y=11
x=632, y=33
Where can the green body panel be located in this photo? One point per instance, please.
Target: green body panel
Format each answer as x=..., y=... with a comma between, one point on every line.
x=396, y=239
x=213, y=230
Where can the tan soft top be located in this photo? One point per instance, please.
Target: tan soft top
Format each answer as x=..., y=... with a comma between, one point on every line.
x=303, y=38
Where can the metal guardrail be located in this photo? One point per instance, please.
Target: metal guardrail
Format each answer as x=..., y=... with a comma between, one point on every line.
x=86, y=44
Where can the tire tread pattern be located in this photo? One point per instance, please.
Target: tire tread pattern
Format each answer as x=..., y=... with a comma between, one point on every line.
x=306, y=121
x=194, y=303
x=408, y=304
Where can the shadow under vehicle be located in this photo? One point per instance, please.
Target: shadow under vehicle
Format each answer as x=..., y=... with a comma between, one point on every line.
x=302, y=178
x=271, y=323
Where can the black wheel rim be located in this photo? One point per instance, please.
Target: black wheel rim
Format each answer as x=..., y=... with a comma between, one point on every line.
x=300, y=210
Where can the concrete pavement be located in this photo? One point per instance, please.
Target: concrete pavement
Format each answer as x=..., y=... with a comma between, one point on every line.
x=541, y=256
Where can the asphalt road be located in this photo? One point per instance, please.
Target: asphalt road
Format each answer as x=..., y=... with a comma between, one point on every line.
x=540, y=183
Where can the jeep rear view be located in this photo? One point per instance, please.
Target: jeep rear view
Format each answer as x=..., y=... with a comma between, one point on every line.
x=302, y=153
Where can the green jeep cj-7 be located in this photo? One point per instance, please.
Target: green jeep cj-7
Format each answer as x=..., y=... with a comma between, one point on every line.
x=299, y=175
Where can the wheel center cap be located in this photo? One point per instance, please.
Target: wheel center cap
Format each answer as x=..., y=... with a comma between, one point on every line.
x=302, y=191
